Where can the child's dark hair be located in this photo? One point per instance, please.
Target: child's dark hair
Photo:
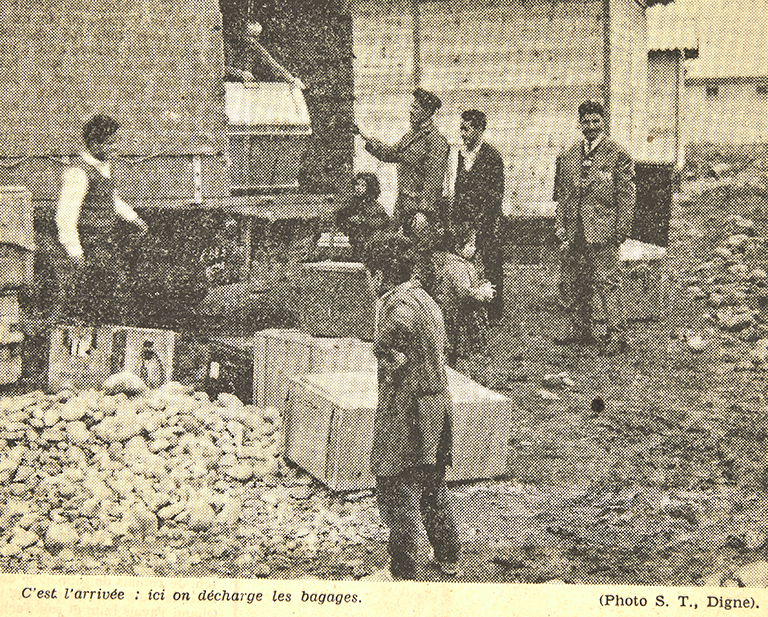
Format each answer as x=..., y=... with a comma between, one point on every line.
x=372, y=185
x=392, y=254
x=98, y=129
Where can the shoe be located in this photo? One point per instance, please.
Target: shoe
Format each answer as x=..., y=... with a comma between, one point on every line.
x=565, y=339
x=583, y=337
x=449, y=569
x=587, y=338
x=233, y=74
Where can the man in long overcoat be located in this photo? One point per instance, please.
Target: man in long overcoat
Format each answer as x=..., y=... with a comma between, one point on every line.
x=595, y=195
x=476, y=186
x=412, y=426
x=422, y=159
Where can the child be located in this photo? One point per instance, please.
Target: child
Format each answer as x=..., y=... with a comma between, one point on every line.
x=364, y=217
x=462, y=296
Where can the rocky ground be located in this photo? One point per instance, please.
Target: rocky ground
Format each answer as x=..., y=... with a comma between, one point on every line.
x=645, y=468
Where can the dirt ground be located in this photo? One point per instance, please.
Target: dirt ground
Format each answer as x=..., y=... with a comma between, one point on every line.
x=665, y=483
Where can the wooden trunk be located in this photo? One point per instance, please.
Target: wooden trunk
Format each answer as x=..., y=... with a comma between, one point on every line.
x=329, y=428
x=281, y=355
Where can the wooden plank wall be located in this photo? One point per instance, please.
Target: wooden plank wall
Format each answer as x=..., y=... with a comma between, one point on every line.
x=155, y=65
x=662, y=96
x=526, y=64
x=629, y=76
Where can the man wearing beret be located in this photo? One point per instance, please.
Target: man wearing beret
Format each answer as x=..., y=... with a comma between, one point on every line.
x=595, y=195
x=422, y=161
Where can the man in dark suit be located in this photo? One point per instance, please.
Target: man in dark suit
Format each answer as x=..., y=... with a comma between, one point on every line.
x=478, y=190
x=595, y=195
x=412, y=426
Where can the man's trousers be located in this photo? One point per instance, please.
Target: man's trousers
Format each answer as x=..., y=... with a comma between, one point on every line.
x=588, y=270
x=418, y=496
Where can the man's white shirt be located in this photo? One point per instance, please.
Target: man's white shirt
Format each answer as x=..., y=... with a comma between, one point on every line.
x=73, y=192
x=453, y=165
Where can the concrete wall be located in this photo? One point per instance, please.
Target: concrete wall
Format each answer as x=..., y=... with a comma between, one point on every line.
x=738, y=114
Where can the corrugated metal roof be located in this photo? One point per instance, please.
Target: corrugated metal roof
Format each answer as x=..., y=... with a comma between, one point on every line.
x=672, y=26
x=733, y=39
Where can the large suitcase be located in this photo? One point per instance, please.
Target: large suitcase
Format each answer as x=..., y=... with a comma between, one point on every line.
x=329, y=428
x=335, y=299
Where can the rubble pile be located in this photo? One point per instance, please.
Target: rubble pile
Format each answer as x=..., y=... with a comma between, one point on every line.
x=161, y=480
x=731, y=290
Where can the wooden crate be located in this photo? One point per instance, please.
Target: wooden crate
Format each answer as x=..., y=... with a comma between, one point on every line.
x=336, y=299
x=17, y=237
x=10, y=364
x=9, y=307
x=79, y=357
x=10, y=339
x=329, y=428
x=16, y=217
x=83, y=357
x=268, y=131
x=647, y=290
x=12, y=266
x=230, y=368
x=128, y=343
x=281, y=355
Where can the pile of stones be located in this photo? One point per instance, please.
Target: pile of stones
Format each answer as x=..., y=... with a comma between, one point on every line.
x=89, y=473
x=732, y=291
